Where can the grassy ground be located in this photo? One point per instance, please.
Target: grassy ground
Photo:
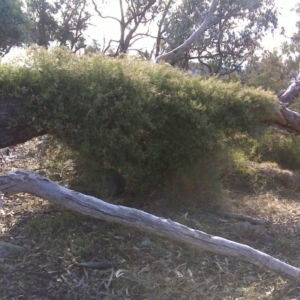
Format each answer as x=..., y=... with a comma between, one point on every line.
x=131, y=264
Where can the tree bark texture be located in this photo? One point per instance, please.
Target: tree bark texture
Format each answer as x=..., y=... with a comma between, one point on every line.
x=27, y=182
x=291, y=93
x=15, y=125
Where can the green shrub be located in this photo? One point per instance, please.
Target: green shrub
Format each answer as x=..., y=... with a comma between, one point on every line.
x=148, y=122
x=281, y=149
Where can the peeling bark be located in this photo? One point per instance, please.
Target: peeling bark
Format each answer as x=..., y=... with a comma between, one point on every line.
x=24, y=181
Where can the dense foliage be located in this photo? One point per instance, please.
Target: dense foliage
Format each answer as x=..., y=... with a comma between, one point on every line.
x=269, y=71
x=13, y=25
x=149, y=122
x=60, y=22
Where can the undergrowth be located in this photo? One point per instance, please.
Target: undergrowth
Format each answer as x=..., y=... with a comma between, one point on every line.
x=153, y=125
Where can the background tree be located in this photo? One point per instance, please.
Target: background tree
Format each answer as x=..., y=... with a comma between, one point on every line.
x=275, y=70
x=61, y=21
x=294, y=45
x=291, y=51
x=270, y=71
x=162, y=24
x=43, y=23
x=75, y=17
x=13, y=25
x=234, y=34
x=135, y=15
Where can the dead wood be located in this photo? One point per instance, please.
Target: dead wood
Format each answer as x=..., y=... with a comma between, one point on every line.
x=28, y=182
x=97, y=264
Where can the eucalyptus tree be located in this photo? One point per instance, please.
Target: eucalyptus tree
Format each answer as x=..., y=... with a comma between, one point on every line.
x=294, y=45
x=234, y=32
x=13, y=25
x=61, y=21
x=291, y=50
x=43, y=23
x=269, y=70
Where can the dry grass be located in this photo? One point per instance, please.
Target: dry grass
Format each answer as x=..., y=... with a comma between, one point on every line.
x=137, y=265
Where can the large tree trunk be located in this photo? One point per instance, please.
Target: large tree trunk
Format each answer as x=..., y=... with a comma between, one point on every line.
x=27, y=182
x=15, y=125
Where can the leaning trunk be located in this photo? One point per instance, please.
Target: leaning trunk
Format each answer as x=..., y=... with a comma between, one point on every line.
x=16, y=126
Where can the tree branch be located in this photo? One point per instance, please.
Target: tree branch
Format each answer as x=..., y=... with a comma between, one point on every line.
x=187, y=44
x=159, y=30
x=100, y=14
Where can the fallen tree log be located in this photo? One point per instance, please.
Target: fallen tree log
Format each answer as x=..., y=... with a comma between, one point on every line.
x=18, y=122
x=15, y=125
x=28, y=182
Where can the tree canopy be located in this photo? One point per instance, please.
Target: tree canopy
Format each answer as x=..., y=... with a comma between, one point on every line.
x=61, y=22
x=233, y=36
x=13, y=25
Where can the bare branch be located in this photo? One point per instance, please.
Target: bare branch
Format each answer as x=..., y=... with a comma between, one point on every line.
x=188, y=43
x=159, y=30
x=101, y=15
x=105, y=49
x=141, y=34
x=206, y=65
x=140, y=37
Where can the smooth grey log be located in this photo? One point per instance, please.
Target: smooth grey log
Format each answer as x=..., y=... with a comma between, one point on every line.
x=28, y=182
